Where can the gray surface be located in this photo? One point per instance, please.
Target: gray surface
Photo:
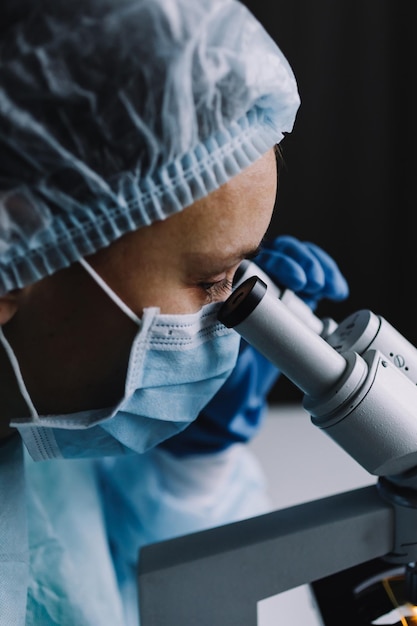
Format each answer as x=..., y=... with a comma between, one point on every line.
x=219, y=576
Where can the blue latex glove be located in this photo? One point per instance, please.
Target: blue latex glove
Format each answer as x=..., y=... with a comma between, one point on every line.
x=304, y=268
x=236, y=412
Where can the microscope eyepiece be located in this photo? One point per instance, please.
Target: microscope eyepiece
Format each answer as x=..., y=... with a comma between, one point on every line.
x=242, y=302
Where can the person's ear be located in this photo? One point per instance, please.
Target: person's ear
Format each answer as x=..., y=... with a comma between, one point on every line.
x=8, y=307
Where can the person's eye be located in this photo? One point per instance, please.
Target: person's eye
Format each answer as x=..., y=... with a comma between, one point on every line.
x=217, y=289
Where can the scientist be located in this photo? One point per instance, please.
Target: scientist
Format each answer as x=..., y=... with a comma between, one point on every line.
x=138, y=168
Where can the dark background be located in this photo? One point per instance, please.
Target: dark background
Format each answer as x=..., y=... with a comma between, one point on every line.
x=349, y=183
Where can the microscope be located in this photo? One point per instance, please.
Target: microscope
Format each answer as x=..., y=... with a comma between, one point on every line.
x=358, y=380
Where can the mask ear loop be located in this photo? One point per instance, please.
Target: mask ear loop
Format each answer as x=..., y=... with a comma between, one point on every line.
x=109, y=291
x=19, y=378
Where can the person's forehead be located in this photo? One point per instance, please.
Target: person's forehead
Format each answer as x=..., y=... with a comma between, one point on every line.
x=220, y=237
x=239, y=204
x=227, y=225
x=218, y=260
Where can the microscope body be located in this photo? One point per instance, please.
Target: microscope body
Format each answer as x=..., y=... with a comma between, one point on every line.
x=359, y=377
x=359, y=383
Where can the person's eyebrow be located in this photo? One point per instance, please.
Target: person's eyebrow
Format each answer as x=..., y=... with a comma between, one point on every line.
x=215, y=266
x=251, y=254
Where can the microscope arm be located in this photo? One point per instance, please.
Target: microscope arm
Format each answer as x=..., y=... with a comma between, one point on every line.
x=218, y=576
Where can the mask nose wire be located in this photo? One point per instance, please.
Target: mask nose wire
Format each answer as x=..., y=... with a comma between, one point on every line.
x=109, y=291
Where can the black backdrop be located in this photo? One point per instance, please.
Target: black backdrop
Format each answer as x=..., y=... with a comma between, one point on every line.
x=349, y=183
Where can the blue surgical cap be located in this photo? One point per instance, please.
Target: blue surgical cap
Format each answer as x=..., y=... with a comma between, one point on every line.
x=118, y=113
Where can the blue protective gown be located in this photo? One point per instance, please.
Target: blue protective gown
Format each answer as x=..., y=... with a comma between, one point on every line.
x=71, y=530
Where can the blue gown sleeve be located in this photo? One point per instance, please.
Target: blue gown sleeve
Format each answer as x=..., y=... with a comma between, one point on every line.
x=14, y=549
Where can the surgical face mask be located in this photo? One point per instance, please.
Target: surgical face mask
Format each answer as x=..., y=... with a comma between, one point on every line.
x=177, y=364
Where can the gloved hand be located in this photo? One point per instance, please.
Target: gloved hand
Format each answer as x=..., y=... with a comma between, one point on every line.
x=236, y=412
x=304, y=268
